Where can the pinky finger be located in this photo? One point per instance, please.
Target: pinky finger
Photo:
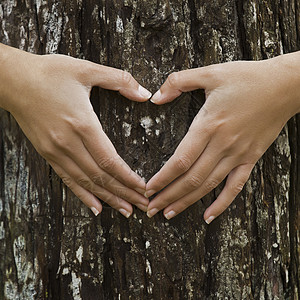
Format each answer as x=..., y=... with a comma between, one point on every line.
x=234, y=185
x=85, y=196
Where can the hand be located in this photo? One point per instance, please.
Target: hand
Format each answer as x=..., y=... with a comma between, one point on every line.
x=55, y=113
x=247, y=105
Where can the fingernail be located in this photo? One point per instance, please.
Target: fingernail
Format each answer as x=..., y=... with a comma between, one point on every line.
x=142, y=207
x=124, y=212
x=95, y=211
x=144, y=93
x=152, y=212
x=209, y=220
x=169, y=215
x=149, y=193
x=156, y=97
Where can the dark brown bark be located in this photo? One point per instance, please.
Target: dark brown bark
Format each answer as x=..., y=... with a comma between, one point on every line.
x=51, y=247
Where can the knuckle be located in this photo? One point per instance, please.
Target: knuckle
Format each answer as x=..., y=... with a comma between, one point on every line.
x=46, y=150
x=231, y=143
x=183, y=163
x=84, y=123
x=80, y=126
x=107, y=163
x=194, y=181
x=215, y=74
x=82, y=68
x=121, y=193
x=173, y=80
x=186, y=203
x=256, y=152
x=67, y=181
x=100, y=193
x=198, y=130
x=219, y=125
x=85, y=182
x=210, y=184
x=126, y=78
x=212, y=72
x=58, y=139
x=98, y=179
x=238, y=187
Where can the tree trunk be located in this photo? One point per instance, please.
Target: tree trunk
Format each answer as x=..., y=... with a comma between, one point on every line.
x=52, y=247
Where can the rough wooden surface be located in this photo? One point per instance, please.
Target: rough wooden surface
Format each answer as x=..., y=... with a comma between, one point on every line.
x=51, y=247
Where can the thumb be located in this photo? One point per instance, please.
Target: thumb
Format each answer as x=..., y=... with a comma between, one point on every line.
x=179, y=82
x=118, y=80
x=131, y=89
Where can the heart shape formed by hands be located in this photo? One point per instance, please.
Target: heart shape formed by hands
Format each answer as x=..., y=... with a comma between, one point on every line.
x=238, y=122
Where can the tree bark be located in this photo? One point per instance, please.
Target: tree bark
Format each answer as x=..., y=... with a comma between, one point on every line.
x=52, y=247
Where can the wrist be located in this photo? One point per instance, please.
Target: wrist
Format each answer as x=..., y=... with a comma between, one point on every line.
x=14, y=73
x=287, y=66
x=3, y=82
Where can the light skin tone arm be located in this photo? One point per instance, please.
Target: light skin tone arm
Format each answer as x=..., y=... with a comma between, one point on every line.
x=247, y=105
x=48, y=95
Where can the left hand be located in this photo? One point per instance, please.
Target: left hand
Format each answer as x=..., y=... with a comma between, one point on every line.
x=247, y=105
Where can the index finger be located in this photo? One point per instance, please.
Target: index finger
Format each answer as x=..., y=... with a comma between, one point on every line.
x=105, y=155
x=187, y=152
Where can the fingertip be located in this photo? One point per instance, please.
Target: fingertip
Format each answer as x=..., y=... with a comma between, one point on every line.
x=209, y=219
x=124, y=208
x=156, y=97
x=144, y=93
x=151, y=212
x=169, y=215
x=208, y=214
x=95, y=210
x=149, y=193
x=96, y=206
x=125, y=212
x=136, y=93
x=164, y=95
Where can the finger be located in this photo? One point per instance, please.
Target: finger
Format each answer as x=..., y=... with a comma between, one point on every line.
x=196, y=177
x=106, y=157
x=85, y=196
x=100, y=178
x=118, y=80
x=187, y=152
x=234, y=184
x=211, y=182
x=77, y=180
x=183, y=81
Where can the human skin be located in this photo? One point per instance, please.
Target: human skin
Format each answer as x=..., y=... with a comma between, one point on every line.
x=48, y=95
x=247, y=104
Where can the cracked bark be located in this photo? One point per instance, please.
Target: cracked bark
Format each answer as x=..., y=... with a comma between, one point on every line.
x=51, y=247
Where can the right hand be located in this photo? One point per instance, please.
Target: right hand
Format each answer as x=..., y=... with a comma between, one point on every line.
x=55, y=113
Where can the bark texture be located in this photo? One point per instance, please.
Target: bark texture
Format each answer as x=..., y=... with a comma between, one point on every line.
x=52, y=247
